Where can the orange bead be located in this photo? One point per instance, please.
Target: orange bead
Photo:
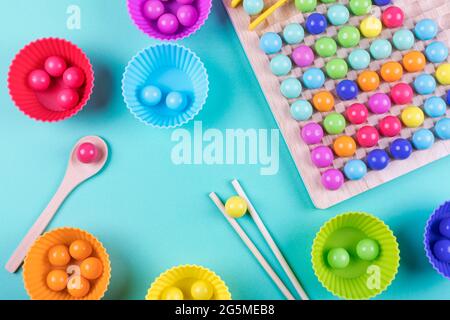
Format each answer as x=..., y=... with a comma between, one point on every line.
x=91, y=268
x=391, y=71
x=59, y=256
x=414, y=61
x=323, y=101
x=78, y=287
x=368, y=81
x=344, y=146
x=57, y=280
x=80, y=249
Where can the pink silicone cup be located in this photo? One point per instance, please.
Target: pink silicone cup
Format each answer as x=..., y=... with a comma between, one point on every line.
x=41, y=106
x=149, y=27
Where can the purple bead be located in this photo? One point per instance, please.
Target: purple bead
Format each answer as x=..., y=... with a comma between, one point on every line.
x=303, y=56
x=379, y=103
x=153, y=9
x=322, y=157
x=312, y=133
x=168, y=23
x=187, y=15
x=185, y=1
x=444, y=227
x=441, y=250
x=332, y=179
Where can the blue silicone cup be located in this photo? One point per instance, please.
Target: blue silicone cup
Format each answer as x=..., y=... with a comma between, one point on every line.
x=170, y=67
x=432, y=235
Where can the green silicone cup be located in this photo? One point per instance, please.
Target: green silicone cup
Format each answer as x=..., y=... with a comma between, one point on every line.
x=360, y=279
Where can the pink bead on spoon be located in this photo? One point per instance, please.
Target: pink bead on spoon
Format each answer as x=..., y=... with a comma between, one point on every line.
x=88, y=157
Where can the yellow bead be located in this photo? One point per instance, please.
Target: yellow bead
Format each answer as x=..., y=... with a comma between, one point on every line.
x=413, y=117
x=172, y=293
x=443, y=74
x=236, y=207
x=371, y=27
x=202, y=290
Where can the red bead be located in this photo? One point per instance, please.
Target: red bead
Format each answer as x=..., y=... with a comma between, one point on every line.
x=87, y=152
x=39, y=80
x=357, y=113
x=55, y=66
x=390, y=126
x=74, y=77
x=67, y=99
x=402, y=93
x=393, y=17
x=367, y=136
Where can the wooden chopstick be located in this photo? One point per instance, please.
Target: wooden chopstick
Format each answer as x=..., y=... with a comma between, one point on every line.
x=266, y=234
x=251, y=246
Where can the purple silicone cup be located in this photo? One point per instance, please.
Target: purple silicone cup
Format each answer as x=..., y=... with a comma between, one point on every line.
x=150, y=28
x=432, y=235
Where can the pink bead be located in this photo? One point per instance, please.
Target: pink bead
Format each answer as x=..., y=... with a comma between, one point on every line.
x=168, y=23
x=185, y=1
x=402, y=93
x=393, y=17
x=39, y=80
x=379, y=103
x=187, y=15
x=74, y=77
x=55, y=66
x=390, y=126
x=332, y=179
x=67, y=99
x=312, y=133
x=87, y=152
x=367, y=137
x=303, y=56
x=153, y=9
x=322, y=157
x=357, y=113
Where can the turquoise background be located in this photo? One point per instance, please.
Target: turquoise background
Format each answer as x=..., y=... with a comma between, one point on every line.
x=152, y=215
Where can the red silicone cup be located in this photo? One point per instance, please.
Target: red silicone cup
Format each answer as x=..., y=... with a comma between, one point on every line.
x=41, y=106
x=150, y=27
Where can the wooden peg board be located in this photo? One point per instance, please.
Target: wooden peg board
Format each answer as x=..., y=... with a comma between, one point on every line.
x=415, y=10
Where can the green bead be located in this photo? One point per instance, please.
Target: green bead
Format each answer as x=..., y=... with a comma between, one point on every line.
x=360, y=7
x=367, y=249
x=306, y=5
x=327, y=1
x=349, y=36
x=337, y=68
x=338, y=258
x=326, y=47
x=334, y=123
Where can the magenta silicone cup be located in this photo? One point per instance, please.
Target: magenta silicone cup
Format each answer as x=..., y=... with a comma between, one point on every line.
x=149, y=27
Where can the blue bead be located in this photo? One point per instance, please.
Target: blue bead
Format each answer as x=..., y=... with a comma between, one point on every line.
x=381, y=49
x=423, y=139
x=293, y=33
x=442, y=129
x=403, y=39
x=313, y=78
x=316, y=23
x=301, y=110
x=176, y=101
x=436, y=52
x=151, y=96
x=426, y=29
x=253, y=7
x=347, y=90
x=435, y=107
x=280, y=65
x=270, y=43
x=355, y=169
x=425, y=84
x=338, y=14
x=291, y=88
x=381, y=2
x=447, y=97
x=359, y=59
x=377, y=159
x=401, y=149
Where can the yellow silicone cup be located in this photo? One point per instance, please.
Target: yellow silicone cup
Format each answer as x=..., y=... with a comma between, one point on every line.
x=36, y=265
x=183, y=277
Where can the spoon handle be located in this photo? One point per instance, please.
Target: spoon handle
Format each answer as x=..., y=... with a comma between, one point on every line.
x=39, y=226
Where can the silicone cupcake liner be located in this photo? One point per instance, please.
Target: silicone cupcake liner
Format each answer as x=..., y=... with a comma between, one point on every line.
x=344, y=231
x=171, y=68
x=150, y=28
x=432, y=235
x=38, y=105
x=36, y=265
x=183, y=277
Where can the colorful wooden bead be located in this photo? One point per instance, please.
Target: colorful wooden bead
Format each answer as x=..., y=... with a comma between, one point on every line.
x=442, y=129
x=441, y=250
x=338, y=14
x=435, y=107
x=367, y=249
x=391, y=71
x=368, y=81
x=151, y=96
x=443, y=74
x=393, y=17
x=355, y=169
x=332, y=179
x=313, y=78
x=280, y=65
x=359, y=59
x=444, y=227
x=293, y=33
x=377, y=159
x=253, y=7
x=367, y=136
x=381, y=49
x=291, y=88
x=381, y=2
x=188, y=15
x=312, y=133
x=412, y=117
x=349, y=36
x=303, y=56
x=426, y=29
x=371, y=27
x=423, y=139
x=316, y=23
x=236, y=207
x=74, y=77
x=306, y=5
x=347, y=90
x=357, y=113
x=344, y=146
x=447, y=97
x=323, y=101
x=436, y=52
x=336, y=68
x=67, y=99
x=360, y=7
x=400, y=149
x=153, y=9
x=301, y=110
x=334, y=123
x=402, y=93
x=414, y=61
x=87, y=153
x=176, y=101
x=168, y=23
x=379, y=103
x=322, y=156
x=270, y=43
x=325, y=47
x=39, y=80
x=425, y=84
x=390, y=126
x=403, y=39
x=55, y=66
x=338, y=258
